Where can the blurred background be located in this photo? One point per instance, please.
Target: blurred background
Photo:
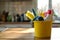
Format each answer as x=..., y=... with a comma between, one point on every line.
x=12, y=12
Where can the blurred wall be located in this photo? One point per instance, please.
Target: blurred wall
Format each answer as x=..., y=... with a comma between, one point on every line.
x=18, y=6
x=2, y=6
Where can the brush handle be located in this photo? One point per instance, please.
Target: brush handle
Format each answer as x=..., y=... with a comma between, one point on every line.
x=34, y=12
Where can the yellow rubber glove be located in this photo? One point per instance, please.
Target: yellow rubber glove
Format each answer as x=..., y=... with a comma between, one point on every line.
x=30, y=15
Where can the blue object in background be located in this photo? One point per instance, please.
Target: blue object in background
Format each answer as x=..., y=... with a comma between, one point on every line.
x=22, y=17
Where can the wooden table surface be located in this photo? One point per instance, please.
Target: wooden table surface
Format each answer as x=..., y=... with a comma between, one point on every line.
x=26, y=34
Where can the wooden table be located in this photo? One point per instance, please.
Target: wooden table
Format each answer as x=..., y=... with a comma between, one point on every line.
x=26, y=34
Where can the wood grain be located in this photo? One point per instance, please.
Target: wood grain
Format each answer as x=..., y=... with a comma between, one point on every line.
x=19, y=34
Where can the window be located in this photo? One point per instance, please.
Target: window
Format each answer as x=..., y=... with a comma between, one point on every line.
x=43, y=4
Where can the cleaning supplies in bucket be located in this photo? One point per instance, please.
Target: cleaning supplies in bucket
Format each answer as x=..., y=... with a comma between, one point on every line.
x=42, y=17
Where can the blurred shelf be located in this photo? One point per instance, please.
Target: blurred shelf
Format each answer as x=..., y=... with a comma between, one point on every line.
x=54, y=22
x=15, y=22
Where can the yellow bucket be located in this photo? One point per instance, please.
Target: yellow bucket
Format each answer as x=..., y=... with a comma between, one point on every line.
x=42, y=29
